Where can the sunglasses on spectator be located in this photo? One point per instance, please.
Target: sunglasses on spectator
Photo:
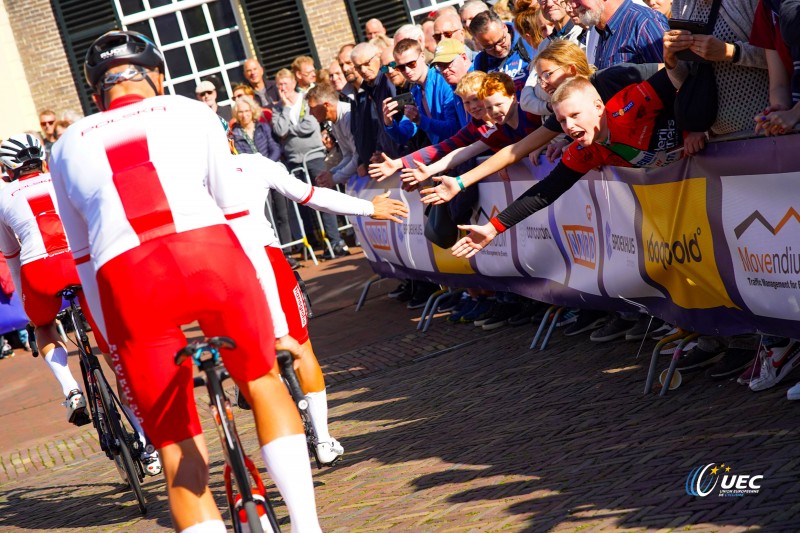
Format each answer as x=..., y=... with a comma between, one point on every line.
x=446, y=34
x=391, y=65
x=204, y=93
x=47, y=123
x=411, y=64
x=441, y=67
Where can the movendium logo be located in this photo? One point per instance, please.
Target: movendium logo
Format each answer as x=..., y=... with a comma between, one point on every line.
x=685, y=249
x=703, y=480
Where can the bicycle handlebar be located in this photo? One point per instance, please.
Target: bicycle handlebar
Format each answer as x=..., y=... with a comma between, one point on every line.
x=195, y=348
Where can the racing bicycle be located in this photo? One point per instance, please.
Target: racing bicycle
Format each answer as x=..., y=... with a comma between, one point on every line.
x=243, y=505
x=118, y=439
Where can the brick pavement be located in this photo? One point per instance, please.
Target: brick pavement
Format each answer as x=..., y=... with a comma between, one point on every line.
x=487, y=437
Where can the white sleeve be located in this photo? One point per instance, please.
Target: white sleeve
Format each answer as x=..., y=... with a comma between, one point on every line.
x=243, y=227
x=227, y=196
x=319, y=198
x=530, y=100
x=14, y=267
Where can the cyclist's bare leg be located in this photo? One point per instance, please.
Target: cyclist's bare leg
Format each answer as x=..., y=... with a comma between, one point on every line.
x=308, y=370
x=186, y=472
x=283, y=446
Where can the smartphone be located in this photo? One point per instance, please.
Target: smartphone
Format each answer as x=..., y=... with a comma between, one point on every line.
x=692, y=26
x=404, y=99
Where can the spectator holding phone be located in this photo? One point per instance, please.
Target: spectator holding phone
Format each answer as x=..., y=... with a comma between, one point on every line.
x=434, y=110
x=739, y=67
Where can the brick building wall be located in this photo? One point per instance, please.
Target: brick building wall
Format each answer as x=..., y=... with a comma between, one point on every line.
x=330, y=26
x=43, y=57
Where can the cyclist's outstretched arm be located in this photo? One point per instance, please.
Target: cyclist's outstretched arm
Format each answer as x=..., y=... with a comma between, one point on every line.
x=10, y=246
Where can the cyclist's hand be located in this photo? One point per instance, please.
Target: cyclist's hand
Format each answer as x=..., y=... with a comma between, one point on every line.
x=288, y=343
x=389, y=209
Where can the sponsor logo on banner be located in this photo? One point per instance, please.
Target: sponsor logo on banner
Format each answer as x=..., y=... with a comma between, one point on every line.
x=582, y=245
x=620, y=243
x=378, y=235
x=538, y=233
x=781, y=263
x=703, y=480
x=678, y=248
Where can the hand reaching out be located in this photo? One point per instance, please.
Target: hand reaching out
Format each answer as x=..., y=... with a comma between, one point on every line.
x=383, y=169
x=389, y=209
x=415, y=176
x=324, y=179
x=441, y=193
x=478, y=238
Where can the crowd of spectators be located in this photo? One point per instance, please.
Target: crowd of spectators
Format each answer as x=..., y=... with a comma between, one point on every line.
x=465, y=83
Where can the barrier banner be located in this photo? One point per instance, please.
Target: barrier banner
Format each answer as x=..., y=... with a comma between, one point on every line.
x=711, y=242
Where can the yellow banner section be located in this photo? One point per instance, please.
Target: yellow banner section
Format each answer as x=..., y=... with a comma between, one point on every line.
x=678, y=246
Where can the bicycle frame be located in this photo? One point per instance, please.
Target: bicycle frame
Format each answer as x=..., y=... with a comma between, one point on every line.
x=207, y=358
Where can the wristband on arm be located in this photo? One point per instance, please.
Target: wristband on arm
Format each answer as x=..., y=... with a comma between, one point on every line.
x=497, y=224
x=461, y=185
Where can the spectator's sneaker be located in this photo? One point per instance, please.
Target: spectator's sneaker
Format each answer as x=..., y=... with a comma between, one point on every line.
x=408, y=292
x=502, y=315
x=708, y=351
x=670, y=347
x=526, y=313
x=397, y=291
x=151, y=463
x=340, y=249
x=484, y=317
x=794, y=392
x=739, y=355
x=588, y=320
x=422, y=292
x=612, y=330
x=664, y=330
x=640, y=329
x=752, y=372
x=238, y=399
x=570, y=316
x=464, y=306
x=449, y=303
x=76, y=408
x=7, y=350
x=482, y=305
x=776, y=363
x=293, y=263
x=329, y=451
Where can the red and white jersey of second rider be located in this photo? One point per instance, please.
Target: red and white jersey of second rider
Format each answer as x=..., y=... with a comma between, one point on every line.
x=127, y=168
x=28, y=211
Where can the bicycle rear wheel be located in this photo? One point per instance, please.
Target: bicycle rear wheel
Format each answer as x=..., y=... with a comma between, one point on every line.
x=122, y=449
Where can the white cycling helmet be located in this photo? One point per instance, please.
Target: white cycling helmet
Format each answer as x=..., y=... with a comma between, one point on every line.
x=20, y=154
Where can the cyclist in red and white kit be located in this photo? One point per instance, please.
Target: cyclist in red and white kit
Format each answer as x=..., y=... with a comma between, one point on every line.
x=256, y=176
x=35, y=247
x=142, y=192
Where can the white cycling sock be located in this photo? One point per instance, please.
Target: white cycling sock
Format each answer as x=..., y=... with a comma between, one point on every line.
x=137, y=426
x=209, y=526
x=288, y=466
x=318, y=408
x=56, y=359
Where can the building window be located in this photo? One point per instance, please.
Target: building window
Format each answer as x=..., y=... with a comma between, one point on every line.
x=392, y=13
x=420, y=8
x=200, y=39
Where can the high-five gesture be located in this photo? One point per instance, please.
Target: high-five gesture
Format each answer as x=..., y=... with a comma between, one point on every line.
x=445, y=191
x=415, y=176
x=389, y=209
x=383, y=169
x=476, y=240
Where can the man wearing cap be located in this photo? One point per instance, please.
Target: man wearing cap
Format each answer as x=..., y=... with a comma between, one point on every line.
x=451, y=60
x=206, y=92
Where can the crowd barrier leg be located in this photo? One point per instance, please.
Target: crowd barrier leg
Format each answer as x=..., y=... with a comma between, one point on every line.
x=666, y=382
x=430, y=308
x=302, y=241
x=651, y=372
x=370, y=282
x=553, y=324
x=550, y=312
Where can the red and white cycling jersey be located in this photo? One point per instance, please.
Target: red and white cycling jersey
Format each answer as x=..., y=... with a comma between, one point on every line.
x=30, y=227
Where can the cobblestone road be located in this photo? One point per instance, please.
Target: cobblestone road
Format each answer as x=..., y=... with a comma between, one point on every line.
x=453, y=430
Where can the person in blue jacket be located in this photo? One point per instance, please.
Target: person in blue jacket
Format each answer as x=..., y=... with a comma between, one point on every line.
x=503, y=50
